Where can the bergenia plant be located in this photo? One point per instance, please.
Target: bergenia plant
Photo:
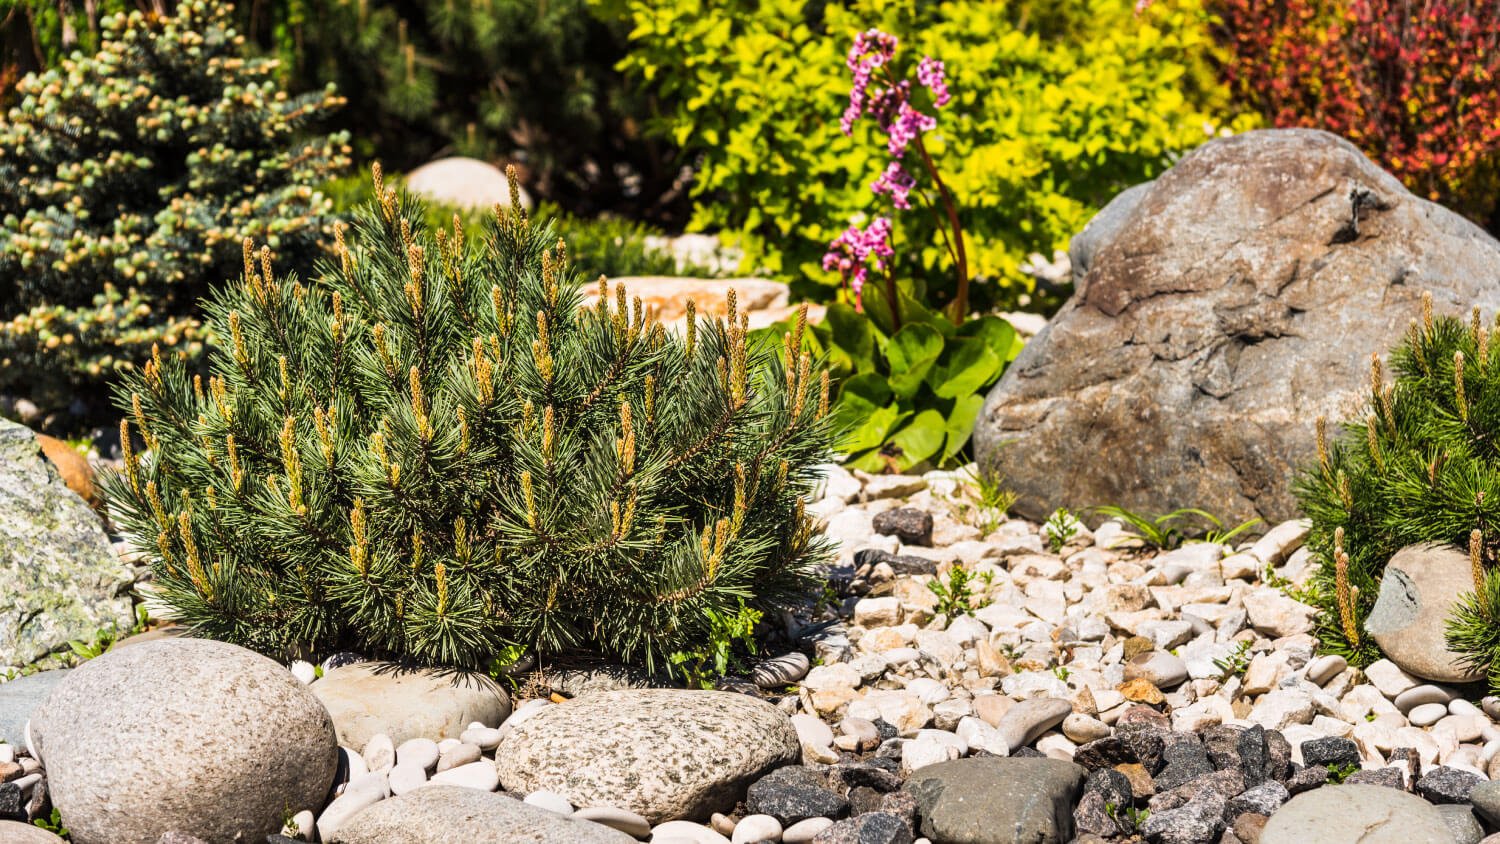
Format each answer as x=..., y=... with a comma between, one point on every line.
x=881, y=95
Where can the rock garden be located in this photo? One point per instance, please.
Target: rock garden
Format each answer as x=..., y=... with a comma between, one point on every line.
x=630, y=450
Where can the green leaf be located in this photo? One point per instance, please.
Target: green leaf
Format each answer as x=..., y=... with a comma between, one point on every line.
x=960, y=424
x=852, y=335
x=921, y=439
x=1000, y=336
x=966, y=367
x=911, y=352
x=913, y=312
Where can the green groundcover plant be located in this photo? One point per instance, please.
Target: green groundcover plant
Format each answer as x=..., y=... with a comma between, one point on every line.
x=1419, y=465
x=1055, y=107
x=127, y=179
x=434, y=454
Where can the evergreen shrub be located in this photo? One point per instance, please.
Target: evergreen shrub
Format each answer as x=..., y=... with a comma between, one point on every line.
x=433, y=454
x=1419, y=464
x=126, y=182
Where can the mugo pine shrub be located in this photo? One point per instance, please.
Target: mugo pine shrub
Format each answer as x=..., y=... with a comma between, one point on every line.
x=1420, y=465
x=126, y=182
x=435, y=455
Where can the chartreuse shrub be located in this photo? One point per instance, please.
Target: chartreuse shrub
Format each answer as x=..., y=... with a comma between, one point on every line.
x=1419, y=464
x=1055, y=107
x=435, y=455
x=126, y=182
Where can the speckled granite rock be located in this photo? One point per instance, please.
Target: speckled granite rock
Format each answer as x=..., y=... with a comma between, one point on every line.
x=367, y=698
x=182, y=734
x=662, y=753
x=439, y=814
x=59, y=577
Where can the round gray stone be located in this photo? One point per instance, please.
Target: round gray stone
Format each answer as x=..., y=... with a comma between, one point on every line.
x=438, y=814
x=369, y=698
x=661, y=753
x=992, y=800
x=1420, y=586
x=182, y=734
x=1367, y=814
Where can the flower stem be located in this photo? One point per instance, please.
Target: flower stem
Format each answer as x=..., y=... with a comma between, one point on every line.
x=960, y=304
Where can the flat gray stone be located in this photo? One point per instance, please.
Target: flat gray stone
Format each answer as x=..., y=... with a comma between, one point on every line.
x=19, y=698
x=1420, y=586
x=59, y=577
x=182, y=734
x=997, y=800
x=1366, y=814
x=369, y=698
x=661, y=753
x=438, y=814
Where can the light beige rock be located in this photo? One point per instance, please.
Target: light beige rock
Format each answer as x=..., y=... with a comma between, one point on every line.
x=443, y=814
x=1418, y=591
x=370, y=698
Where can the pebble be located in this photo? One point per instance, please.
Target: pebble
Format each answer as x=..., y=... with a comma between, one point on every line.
x=1388, y=678
x=486, y=738
x=463, y=754
x=685, y=831
x=551, y=801
x=379, y=753
x=1030, y=718
x=421, y=752
x=304, y=671
x=1427, y=714
x=627, y=822
x=405, y=777
x=300, y=826
x=782, y=671
x=481, y=775
x=1325, y=668
x=1418, y=695
x=754, y=829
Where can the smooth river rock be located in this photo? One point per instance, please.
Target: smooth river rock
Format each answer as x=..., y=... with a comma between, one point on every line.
x=369, y=698
x=440, y=814
x=997, y=800
x=661, y=753
x=1417, y=593
x=182, y=734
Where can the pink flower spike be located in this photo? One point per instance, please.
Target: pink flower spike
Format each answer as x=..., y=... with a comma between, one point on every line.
x=930, y=73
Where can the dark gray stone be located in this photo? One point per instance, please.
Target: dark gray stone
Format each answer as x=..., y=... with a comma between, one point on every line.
x=903, y=805
x=1330, y=752
x=1306, y=779
x=1199, y=820
x=12, y=806
x=795, y=793
x=1229, y=308
x=872, y=828
x=1221, y=741
x=59, y=577
x=1447, y=785
x=1384, y=777
x=847, y=775
x=1106, y=796
x=19, y=698
x=1147, y=745
x=1264, y=799
x=987, y=801
x=1104, y=753
x=908, y=524
x=1183, y=763
x=1226, y=783
x=904, y=564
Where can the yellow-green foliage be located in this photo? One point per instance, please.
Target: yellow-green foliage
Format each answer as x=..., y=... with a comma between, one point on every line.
x=1058, y=104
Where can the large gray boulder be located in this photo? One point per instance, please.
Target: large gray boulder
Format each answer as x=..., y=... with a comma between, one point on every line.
x=1224, y=307
x=182, y=735
x=59, y=578
x=1421, y=586
x=661, y=753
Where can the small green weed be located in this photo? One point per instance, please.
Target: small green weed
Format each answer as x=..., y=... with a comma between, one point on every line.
x=993, y=498
x=1338, y=773
x=1059, y=528
x=1170, y=530
x=701, y=668
x=53, y=824
x=1235, y=663
x=1129, y=818
x=956, y=597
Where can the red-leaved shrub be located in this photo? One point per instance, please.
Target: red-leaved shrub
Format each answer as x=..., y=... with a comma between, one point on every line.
x=1412, y=82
